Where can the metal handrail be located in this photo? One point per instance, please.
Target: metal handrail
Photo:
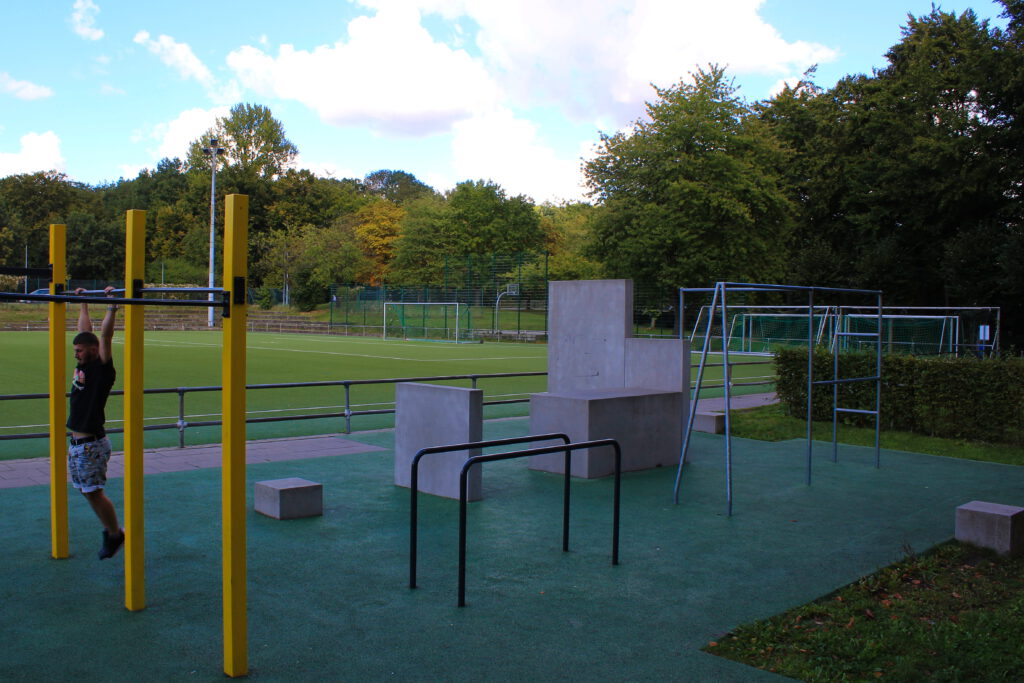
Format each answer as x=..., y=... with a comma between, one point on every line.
x=181, y=425
x=414, y=486
x=567, y=449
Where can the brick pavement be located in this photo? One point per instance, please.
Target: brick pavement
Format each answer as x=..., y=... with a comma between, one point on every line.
x=36, y=471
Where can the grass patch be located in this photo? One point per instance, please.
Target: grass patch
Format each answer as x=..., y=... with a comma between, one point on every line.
x=22, y=313
x=953, y=614
x=771, y=423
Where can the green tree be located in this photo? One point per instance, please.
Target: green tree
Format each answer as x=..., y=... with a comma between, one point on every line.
x=567, y=230
x=396, y=186
x=484, y=220
x=693, y=193
x=6, y=244
x=427, y=236
x=302, y=198
x=377, y=227
x=30, y=202
x=254, y=141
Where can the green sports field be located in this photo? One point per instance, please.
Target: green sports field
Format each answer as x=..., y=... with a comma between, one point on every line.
x=193, y=359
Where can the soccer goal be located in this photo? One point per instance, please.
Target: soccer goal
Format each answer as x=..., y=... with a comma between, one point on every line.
x=763, y=330
x=913, y=334
x=435, y=321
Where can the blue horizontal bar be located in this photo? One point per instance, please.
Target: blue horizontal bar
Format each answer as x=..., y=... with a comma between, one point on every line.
x=859, y=412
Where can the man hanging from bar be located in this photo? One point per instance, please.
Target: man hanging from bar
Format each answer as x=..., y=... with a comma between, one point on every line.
x=90, y=448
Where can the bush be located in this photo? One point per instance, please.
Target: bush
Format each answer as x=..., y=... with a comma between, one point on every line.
x=953, y=398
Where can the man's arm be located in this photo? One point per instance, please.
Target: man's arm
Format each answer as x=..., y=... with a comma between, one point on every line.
x=107, y=331
x=84, y=322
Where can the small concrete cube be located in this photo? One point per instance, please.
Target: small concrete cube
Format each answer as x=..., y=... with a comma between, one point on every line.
x=991, y=525
x=290, y=498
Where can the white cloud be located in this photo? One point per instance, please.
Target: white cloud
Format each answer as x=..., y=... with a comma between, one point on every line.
x=23, y=90
x=83, y=20
x=324, y=169
x=390, y=75
x=508, y=150
x=107, y=89
x=781, y=84
x=597, y=60
x=129, y=171
x=174, y=137
x=39, y=152
x=178, y=56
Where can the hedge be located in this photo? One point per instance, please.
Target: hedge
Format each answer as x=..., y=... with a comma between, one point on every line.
x=953, y=398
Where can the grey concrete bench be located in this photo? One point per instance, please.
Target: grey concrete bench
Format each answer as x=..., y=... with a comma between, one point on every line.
x=991, y=525
x=290, y=498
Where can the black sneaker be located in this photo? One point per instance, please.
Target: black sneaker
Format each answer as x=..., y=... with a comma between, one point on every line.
x=111, y=544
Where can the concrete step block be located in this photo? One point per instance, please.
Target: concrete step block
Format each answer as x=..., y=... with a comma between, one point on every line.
x=289, y=498
x=991, y=525
x=712, y=423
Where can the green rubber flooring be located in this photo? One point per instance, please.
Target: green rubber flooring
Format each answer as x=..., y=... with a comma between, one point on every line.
x=328, y=596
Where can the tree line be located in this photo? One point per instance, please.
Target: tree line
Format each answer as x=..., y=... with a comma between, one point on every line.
x=907, y=179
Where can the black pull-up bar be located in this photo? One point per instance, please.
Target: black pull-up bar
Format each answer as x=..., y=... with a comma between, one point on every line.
x=224, y=304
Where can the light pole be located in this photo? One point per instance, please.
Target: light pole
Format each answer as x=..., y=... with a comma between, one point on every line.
x=213, y=151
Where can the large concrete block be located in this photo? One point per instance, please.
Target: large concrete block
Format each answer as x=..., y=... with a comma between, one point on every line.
x=589, y=323
x=289, y=498
x=646, y=423
x=662, y=364
x=434, y=415
x=991, y=525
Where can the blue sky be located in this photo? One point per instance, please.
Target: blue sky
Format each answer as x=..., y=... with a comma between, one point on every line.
x=448, y=90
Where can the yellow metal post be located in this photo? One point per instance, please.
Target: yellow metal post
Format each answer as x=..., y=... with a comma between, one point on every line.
x=134, y=529
x=58, y=406
x=236, y=647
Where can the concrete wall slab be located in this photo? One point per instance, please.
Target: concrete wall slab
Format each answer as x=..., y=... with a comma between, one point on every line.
x=434, y=415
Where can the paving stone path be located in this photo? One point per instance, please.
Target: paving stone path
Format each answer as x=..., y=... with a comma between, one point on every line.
x=36, y=471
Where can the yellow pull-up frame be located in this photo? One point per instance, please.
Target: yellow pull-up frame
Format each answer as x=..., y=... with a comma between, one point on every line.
x=134, y=345
x=236, y=648
x=236, y=219
x=58, y=408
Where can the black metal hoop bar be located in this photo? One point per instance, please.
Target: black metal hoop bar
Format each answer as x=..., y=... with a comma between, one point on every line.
x=163, y=290
x=414, y=485
x=185, y=290
x=568, y=449
x=72, y=299
x=28, y=272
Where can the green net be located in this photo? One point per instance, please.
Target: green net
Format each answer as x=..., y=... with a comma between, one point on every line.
x=437, y=321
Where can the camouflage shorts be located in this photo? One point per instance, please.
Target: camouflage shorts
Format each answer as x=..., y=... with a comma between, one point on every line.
x=87, y=464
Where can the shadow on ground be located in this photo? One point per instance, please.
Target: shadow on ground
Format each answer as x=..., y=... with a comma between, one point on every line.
x=328, y=597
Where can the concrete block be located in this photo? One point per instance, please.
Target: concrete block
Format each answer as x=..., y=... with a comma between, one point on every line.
x=712, y=423
x=434, y=415
x=589, y=323
x=991, y=525
x=290, y=498
x=646, y=423
x=662, y=364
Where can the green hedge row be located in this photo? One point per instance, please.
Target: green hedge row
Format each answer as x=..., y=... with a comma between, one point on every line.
x=953, y=398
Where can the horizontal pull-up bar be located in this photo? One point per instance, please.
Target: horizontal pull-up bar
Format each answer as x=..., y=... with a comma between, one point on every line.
x=162, y=290
x=224, y=304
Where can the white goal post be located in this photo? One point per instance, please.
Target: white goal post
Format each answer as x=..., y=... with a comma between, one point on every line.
x=416, y=320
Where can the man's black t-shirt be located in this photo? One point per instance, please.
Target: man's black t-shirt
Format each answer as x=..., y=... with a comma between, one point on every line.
x=89, y=390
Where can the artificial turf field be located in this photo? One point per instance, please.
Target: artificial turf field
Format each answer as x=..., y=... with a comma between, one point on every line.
x=193, y=358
